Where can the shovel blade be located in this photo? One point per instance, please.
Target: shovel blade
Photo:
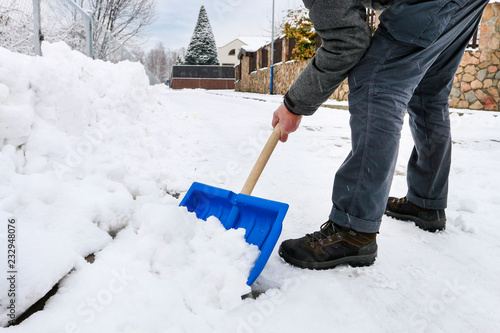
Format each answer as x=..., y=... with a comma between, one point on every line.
x=262, y=219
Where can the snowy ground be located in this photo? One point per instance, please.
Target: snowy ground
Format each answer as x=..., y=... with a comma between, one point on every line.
x=93, y=159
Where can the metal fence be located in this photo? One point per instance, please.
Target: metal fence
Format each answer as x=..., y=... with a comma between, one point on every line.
x=107, y=47
x=16, y=26
x=25, y=24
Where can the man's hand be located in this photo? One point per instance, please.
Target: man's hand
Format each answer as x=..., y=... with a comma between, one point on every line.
x=288, y=121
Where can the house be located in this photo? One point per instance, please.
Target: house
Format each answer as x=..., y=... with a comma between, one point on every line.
x=228, y=54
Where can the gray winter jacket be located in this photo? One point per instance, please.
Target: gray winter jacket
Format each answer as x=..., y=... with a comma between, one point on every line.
x=346, y=36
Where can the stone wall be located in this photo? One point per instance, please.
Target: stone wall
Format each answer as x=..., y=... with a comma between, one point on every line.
x=259, y=81
x=477, y=82
x=476, y=85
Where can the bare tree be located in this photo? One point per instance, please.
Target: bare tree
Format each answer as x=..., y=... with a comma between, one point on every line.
x=160, y=61
x=138, y=53
x=16, y=32
x=124, y=18
x=156, y=62
x=119, y=21
x=180, y=55
x=174, y=57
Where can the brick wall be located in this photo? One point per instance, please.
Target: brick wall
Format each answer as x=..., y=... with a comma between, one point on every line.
x=195, y=83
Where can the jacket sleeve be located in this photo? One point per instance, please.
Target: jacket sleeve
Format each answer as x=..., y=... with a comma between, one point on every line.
x=346, y=36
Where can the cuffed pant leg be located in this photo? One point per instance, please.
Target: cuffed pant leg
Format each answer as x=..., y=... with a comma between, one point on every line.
x=429, y=163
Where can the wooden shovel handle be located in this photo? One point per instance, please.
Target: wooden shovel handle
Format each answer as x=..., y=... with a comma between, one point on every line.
x=261, y=161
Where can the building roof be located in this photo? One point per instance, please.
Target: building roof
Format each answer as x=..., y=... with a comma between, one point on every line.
x=251, y=42
x=254, y=43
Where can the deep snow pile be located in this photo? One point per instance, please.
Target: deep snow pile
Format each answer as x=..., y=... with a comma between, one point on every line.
x=93, y=151
x=81, y=159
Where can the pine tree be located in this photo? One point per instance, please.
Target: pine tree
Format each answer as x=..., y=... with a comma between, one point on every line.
x=202, y=49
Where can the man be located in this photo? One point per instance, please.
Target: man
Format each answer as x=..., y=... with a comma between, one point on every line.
x=409, y=66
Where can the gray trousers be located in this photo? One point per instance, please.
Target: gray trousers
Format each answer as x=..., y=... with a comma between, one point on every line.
x=409, y=66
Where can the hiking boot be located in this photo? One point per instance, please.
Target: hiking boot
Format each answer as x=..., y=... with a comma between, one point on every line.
x=332, y=245
x=428, y=219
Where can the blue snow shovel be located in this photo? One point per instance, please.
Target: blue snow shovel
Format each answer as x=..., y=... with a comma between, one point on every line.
x=262, y=219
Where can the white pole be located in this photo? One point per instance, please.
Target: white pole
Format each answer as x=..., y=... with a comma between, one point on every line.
x=272, y=54
x=89, y=32
x=37, y=27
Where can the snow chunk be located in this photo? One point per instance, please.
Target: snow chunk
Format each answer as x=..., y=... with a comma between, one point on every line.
x=209, y=263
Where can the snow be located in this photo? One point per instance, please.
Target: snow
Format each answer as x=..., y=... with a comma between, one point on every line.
x=93, y=159
x=70, y=187
x=253, y=44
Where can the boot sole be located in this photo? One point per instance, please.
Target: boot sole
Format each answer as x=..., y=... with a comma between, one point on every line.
x=431, y=226
x=353, y=261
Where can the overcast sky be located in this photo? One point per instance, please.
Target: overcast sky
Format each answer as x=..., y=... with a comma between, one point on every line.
x=229, y=19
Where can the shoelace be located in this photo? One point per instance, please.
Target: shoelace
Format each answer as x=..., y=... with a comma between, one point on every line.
x=400, y=201
x=327, y=230
x=404, y=200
